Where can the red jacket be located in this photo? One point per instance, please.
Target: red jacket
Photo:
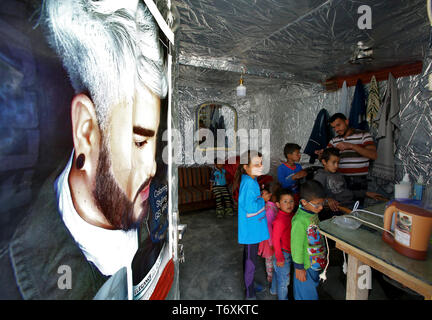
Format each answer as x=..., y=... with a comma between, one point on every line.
x=281, y=236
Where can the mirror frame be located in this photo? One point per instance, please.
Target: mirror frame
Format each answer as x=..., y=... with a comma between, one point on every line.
x=197, y=118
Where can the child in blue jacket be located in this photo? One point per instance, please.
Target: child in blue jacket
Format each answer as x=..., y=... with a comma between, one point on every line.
x=252, y=222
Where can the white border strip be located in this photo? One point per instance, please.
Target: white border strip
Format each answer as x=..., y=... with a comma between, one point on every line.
x=160, y=20
x=172, y=223
x=253, y=214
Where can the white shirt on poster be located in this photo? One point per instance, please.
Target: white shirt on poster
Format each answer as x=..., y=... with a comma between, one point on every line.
x=109, y=250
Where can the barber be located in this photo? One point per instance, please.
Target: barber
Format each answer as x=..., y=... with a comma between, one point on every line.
x=357, y=148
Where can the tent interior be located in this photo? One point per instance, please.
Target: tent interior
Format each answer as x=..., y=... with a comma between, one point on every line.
x=287, y=50
x=290, y=54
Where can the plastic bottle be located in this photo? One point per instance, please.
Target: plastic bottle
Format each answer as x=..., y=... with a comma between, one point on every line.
x=418, y=189
x=403, y=189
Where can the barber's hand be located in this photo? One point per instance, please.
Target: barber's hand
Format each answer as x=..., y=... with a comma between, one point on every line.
x=333, y=204
x=344, y=146
x=300, y=275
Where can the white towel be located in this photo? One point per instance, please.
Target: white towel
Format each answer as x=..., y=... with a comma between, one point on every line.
x=388, y=122
x=344, y=106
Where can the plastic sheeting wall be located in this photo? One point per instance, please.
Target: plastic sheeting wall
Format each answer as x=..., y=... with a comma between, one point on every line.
x=290, y=111
x=190, y=97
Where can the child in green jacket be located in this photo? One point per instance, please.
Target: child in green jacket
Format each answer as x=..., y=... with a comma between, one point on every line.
x=307, y=248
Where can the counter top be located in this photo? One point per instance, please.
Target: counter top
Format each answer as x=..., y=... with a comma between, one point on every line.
x=368, y=239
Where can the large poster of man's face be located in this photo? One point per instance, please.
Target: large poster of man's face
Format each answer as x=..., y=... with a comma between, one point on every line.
x=83, y=187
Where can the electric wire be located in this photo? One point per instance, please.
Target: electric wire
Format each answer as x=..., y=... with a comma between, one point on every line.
x=355, y=209
x=322, y=275
x=370, y=223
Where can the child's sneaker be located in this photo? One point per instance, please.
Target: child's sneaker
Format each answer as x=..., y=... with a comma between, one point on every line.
x=273, y=287
x=219, y=214
x=229, y=212
x=258, y=287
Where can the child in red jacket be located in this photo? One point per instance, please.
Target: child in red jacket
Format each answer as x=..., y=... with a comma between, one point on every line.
x=281, y=239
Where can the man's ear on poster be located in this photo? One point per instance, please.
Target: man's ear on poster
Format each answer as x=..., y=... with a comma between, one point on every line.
x=86, y=133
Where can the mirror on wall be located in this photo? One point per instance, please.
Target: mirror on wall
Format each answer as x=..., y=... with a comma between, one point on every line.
x=216, y=123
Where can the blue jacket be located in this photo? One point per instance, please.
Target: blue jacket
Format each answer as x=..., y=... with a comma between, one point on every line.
x=285, y=174
x=320, y=136
x=252, y=221
x=357, y=116
x=218, y=177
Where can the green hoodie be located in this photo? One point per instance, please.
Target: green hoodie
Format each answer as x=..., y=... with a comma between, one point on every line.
x=307, y=246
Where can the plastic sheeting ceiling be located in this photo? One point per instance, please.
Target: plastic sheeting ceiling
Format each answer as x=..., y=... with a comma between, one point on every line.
x=308, y=40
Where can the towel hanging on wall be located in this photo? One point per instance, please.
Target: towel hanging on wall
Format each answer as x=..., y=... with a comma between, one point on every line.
x=344, y=104
x=373, y=104
x=388, y=122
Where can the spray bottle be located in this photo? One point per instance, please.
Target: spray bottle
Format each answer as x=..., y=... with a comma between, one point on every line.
x=418, y=189
x=403, y=189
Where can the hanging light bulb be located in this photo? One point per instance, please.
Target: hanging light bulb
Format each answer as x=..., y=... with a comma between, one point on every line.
x=241, y=89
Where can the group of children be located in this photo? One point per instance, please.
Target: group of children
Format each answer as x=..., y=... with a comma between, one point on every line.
x=281, y=225
x=269, y=225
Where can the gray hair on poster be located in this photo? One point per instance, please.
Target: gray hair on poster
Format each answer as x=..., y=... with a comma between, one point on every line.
x=108, y=48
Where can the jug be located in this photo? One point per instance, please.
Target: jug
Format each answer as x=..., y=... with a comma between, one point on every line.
x=412, y=229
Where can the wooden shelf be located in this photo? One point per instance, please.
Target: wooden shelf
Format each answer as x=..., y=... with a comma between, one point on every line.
x=405, y=70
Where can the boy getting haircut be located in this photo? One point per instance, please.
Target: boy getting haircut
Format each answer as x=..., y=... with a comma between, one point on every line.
x=329, y=152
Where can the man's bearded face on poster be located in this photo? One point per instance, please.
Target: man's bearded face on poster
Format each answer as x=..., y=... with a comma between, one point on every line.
x=126, y=162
